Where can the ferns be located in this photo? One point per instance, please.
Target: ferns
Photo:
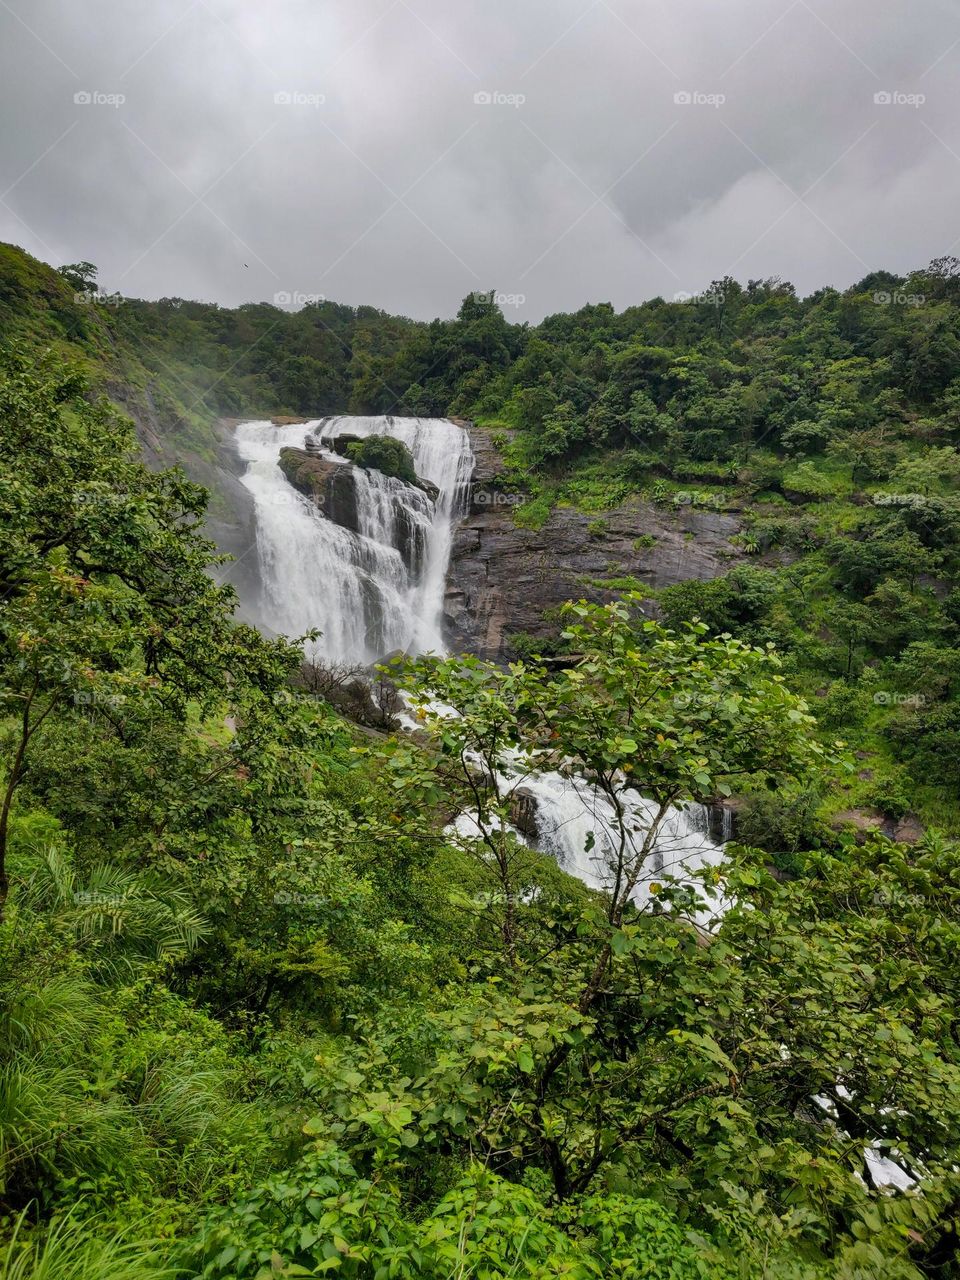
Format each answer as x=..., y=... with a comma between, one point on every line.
x=69, y=1250
x=110, y=1086
x=127, y=915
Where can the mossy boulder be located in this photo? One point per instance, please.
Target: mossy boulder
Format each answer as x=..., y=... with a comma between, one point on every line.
x=332, y=486
x=385, y=454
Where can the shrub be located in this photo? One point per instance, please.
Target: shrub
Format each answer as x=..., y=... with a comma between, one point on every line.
x=385, y=454
x=780, y=823
x=892, y=793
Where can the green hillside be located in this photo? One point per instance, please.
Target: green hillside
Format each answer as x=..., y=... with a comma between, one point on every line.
x=263, y=1014
x=828, y=425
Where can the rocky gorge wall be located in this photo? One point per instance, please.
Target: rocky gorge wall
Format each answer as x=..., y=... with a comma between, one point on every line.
x=504, y=579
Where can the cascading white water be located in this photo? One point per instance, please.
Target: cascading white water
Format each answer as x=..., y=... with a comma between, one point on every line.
x=570, y=818
x=577, y=823
x=357, y=587
x=369, y=599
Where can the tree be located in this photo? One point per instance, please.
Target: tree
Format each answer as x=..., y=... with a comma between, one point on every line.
x=768, y=1070
x=80, y=276
x=644, y=712
x=108, y=606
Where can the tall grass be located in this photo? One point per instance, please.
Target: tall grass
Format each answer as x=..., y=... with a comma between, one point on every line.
x=105, y=1077
x=71, y=1250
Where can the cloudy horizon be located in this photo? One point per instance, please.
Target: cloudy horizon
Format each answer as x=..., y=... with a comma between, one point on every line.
x=403, y=153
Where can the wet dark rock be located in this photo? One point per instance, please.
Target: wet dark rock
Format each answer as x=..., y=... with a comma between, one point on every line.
x=505, y=580
x=410, y=539
x=907, y=830
x=488, y=462
x=723, y=818
x=523, y=812
x=331, y=485
x=864, y=823
x=340, y=444
x=861, y=823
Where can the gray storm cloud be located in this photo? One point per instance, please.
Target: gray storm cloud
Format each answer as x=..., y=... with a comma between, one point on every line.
x=402, y=153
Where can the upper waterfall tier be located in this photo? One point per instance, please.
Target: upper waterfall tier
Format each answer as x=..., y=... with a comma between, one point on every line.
x=359, y=584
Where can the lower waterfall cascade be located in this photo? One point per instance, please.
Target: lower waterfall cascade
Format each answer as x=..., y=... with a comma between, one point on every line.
x=368, y=602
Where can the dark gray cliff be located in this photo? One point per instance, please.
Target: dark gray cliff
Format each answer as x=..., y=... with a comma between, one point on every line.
x=504, y=579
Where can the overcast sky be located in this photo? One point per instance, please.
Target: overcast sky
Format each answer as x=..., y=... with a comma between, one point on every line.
x=266, y=148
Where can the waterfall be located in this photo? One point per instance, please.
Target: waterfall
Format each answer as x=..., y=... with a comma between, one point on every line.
x=715, y=821
x=373, y=589
x=379, y=586
x=568, y=817
x=579, y=826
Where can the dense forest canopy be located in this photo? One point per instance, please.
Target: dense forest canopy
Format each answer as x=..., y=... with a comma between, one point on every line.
x=261, y=1014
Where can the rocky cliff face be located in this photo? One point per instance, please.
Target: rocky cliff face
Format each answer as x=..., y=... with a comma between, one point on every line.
x=504, y=579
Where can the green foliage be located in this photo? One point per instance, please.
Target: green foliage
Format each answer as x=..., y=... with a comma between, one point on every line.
x=81, y=276
x=386, y=454
x=784, y=823
x=71, y=1250
x=325, y=1217
x=256, y=995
